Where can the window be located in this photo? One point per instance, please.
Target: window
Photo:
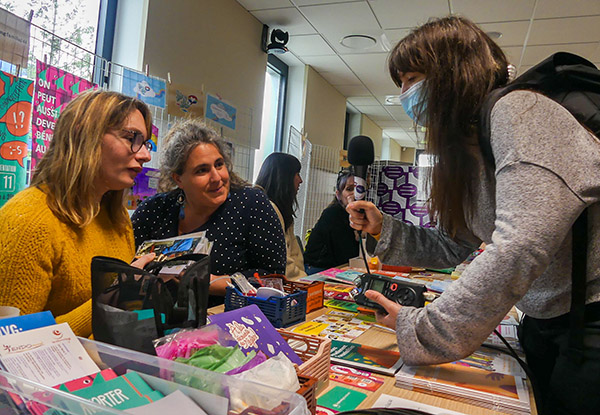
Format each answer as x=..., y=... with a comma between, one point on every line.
x=273, y=108
x=58, y=25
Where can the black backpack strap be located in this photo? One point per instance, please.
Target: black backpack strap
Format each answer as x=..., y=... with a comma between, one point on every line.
x=578, y=276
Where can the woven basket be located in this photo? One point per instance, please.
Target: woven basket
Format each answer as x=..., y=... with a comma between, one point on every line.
x=315, y=352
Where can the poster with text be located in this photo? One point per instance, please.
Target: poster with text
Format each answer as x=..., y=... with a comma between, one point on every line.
x=221, y=112
x=149, y=89
x=54, y=89
x=15, y=118
x=185, y=101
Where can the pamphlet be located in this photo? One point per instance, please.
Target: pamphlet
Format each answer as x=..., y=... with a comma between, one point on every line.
x=26, y=322
x=355, y=377
x=369, y=358
x=48, y=355
x=253, y=331
x=388, y=401
x=341, y=399
x=170, y=248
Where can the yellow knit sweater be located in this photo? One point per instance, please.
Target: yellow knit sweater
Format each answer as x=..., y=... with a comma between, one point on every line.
x=45, y=263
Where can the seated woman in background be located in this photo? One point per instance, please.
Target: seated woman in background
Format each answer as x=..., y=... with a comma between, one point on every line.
x=74, y=208
x=332, y=241
x=202, y=193
x=280, y=177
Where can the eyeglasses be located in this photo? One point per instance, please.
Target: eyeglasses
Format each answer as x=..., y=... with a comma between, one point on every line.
x=136, y=139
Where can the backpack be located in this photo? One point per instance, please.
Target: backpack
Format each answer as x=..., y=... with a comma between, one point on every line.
x=570, y=80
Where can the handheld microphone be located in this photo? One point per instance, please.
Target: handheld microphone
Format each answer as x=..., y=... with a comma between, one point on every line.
x=360, y=156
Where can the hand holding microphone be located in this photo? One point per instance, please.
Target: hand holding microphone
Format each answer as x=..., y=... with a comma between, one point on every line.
x=360, y=155
x=363, y=215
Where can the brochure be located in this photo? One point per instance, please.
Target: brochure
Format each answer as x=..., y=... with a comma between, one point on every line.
x=170, y=248
x=26, y=322
x=368, y=358
x=355, y=377
x=341, y=399
x=253, y=331
x=48, y=355
x=486, y=378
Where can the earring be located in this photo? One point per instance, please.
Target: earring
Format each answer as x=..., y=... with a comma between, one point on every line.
x=181, y=202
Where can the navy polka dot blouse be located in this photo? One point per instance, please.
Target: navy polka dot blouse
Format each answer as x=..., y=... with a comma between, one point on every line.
x=246, y=232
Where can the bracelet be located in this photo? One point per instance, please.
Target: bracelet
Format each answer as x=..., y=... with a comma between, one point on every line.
x=376, y=236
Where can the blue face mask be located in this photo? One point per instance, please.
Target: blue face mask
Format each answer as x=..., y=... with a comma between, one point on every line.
x=411, y=100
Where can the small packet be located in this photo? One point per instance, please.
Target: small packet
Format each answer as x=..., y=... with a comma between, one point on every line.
x=185, y=343
x=273, y=283
x=242, y=284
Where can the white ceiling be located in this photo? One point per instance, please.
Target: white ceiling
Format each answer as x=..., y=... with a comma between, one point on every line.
x=531, y=30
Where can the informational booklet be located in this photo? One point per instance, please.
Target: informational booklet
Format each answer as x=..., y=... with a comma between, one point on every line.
x=26, y=322
x=338, y=325
x=341, y=399
x=486, y=378
x=364, y=357
x=338, y=292
x=355, y=377
x=48, y=355
x=123, y=392
x=388, y=401
x=253, y=331
x=171, y=248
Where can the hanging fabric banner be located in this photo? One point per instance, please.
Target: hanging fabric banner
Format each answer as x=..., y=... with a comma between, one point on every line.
x=54, y=89
x=149, y=89
x=15, y=119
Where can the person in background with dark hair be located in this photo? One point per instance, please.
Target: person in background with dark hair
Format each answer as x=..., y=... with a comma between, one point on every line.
x=74, y=209
x=546, y=174
x=202, y=193
x=332, y=242
x=279, y=177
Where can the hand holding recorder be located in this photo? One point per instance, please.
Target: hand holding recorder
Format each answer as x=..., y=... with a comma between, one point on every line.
x=391, y=307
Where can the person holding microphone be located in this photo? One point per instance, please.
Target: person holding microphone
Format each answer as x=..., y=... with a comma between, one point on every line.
x=523, y=208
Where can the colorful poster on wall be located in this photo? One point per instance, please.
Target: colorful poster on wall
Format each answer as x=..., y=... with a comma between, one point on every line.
x=185, y=101
x=146, y=185
x=54, y=89
x=14, y=39
x=16, y=95
x=149, y=89
x=221, y=112
x=154, y=138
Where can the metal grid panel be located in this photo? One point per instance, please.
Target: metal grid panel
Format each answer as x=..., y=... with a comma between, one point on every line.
x=56, y=51
x=320, y=186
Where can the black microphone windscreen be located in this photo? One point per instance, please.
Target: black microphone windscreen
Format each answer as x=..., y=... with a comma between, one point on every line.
x=360, y=151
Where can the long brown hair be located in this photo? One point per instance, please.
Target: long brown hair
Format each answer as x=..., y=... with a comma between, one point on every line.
x=461, y=65
x=67, y=171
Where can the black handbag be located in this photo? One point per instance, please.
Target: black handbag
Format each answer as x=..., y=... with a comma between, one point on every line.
x=120, y=290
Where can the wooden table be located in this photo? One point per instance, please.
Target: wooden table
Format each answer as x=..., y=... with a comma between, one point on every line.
x=385, y=339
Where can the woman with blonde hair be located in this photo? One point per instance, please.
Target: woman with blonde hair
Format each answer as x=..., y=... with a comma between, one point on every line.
x=74, y=208
x=202, y=193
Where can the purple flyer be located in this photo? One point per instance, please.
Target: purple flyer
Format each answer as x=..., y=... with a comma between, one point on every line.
x=253, y=331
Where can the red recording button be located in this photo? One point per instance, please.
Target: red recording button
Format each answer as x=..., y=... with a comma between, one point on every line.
x=394, y=287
